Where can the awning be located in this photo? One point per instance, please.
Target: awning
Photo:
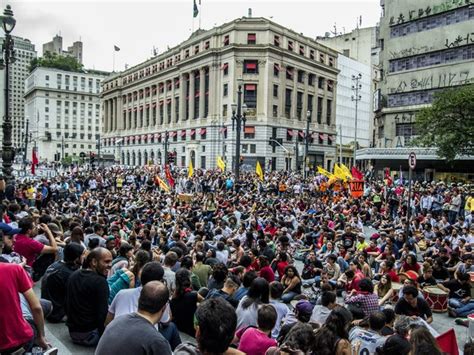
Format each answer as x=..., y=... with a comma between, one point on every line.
x=331, y=138
x=251, y=66
x=301, y=133
x=172, y=134
x=135, y=108
x=322, y=136
x=225, y=66
x=141, y=108
x=251, y=37
x=192, y=132
x=182, y=133
x=222, y=129
x=157, y=135
x=315, y=135
x=250, y=87
x=168, y=101
x=202, y=131
x=249, y=129
x=290, y=132
x=276, y=66
x=150, y=136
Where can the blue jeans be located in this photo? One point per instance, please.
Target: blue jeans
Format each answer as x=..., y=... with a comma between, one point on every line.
x=342, y=263
x=288, y=297
x=85, y=338
x=461, y=309
x=171, y=333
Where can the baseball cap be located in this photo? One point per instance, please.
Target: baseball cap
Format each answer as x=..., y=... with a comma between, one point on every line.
x=304, y=307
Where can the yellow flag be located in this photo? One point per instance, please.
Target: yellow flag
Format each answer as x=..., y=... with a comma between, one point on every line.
x=324, y=172
x=190, y=169
x=221, y=163
x=339, y=173
x=163, y=185
x=346, y=171
x=259, y=171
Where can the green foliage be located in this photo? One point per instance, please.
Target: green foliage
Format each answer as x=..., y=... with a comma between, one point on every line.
x=53, y=60
x=448, y=124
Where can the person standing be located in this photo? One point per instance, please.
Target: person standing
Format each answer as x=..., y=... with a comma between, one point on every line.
x=86, y=304
x=134, y=333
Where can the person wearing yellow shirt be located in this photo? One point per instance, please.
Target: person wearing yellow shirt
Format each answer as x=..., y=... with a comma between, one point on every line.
x=119, y=182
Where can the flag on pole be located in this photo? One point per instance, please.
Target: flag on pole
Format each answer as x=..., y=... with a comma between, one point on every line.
x=259, y=171
x=346, y=171
x=34, y=160
x=356, y=174
x=388, y=177
x=169, y=177
x=221, y=163
x=195, y=9
x=116, y=48
x=190, y=169
x=339, y=173
x=163, y=185
x=325, y=172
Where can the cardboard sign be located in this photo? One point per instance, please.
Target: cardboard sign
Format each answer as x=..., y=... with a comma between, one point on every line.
x=357, y=188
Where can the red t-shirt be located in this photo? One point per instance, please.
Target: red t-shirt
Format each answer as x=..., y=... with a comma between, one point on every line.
x=393, y=276
x=27, y=247
x=15, y=329
x=254, y=342
x=281, y=265
x=408, y=267
x=267, y=273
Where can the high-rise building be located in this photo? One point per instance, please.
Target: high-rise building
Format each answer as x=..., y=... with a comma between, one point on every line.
x=185, y=95
x=56, y=46
x=426, y=47
x=19, y=71
x=63, y=109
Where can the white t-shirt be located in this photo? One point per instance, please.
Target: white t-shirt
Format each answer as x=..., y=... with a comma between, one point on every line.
x=369, y=340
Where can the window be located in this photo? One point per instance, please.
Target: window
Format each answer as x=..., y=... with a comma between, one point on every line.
x=253, y=148
x=47, y=77
x=224, y=111
x=311, y=79
x=331, y=61
x=310, y=103
x=203, y=162
x=301, y=50
x=311, y=54
x=225, y=90
x=196, y=49
x=249, y=132
x=301, y=76
x=250, y=95
x=251, y=38
x=275, y=90
x=328, y=112
x=186, y=53
x=320, y=110
x=275, y=111
x=322, y=57
x=330, y=85
x=406, y=130
x=207, y=44
x=290, y=45
x=346, y=52
x=276, y=40
x=288, y=98
x=276, y=69
x=225, y=68
x=299, y=105
x=226, y=40
x=251, y=66
x=289, y=73
x=320, y=82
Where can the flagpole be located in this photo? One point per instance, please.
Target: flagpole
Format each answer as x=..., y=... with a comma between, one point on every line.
x=200, y=11
x=113, y=65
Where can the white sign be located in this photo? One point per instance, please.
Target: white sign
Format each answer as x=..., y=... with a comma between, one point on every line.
x=412, y=160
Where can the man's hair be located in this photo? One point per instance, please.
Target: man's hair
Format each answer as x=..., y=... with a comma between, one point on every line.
x=98, y=227
x=232, y=281
x=152, y=271
x=366, y=285
x=200, y=256
x=25, y=224
x=462, y=276
x=350, y=274
x=377, y=321
x=410, y=290
x=389, y=315
x=217, y=321
x=266, y=317
x=171, y=258
x=95, y=254
x=402, y=325
x=249, y=276
x=327, y=298
x=153, y=297
x=71, y=252
x=276, y=289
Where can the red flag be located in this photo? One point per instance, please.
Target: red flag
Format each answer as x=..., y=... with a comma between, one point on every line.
x=169, y=177
x=447, y=342
x=34, y=161
x=356, y=174
x=388, y=178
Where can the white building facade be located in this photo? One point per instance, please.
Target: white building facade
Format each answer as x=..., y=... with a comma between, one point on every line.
x=345, y=106
x=185, y=94
x=19, y=71
x=63, y=109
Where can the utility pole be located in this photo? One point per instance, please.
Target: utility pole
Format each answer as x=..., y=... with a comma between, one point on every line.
x=98, y=152
x=340, y=144
x=297, y=153
x=356, y=97
x=166, y=147
x=239, y=112
x=308, y=120
x=62, y=148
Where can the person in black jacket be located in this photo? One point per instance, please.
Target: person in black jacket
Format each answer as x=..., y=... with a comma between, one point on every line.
x=53, y=284
x=87, y=295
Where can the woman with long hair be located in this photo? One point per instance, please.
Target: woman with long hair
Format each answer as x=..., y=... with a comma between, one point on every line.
x=291, y=280
x=184, y=302
x=258, y=293
x=141, y=258
x=333, y=337
x=422, y=342
x=384, y=289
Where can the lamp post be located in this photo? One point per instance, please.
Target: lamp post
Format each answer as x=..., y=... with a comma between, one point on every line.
x=239, y=111
x=8, y=154
x=356, y=97
x=165, y=145
x=308, y=120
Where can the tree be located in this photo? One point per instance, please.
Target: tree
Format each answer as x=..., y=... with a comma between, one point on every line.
x=448, y=124
x=53, y=60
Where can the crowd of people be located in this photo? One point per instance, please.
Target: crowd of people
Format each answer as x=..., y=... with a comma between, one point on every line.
x=136, y=261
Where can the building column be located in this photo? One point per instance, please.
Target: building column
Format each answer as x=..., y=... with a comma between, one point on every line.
x=214, y=89
x=173, y=103
x=202, y=92
x=182, y=97
x=105, y=116
x=191, y=95
x=294, y=94
x=305, y=98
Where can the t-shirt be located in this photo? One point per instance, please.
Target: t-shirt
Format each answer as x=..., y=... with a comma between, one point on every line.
x=426, y=282
x=27, y=247
x=246, y=316
x=255, y=342
x=457, y=290
x=125, y=302
x=282, y=310
x=183, y=309
x=369, y=340
x=348, y=240
x=132, y=334
x=422, y=308
x=14, y=329
x=267, y=273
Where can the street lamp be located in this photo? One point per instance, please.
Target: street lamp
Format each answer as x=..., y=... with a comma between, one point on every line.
x=239, y=112
x=308, y=120
x=165, y=146
x=356, y=97
x=8, y=56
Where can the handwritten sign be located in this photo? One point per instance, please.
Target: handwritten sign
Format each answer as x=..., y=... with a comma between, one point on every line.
x=357, y=188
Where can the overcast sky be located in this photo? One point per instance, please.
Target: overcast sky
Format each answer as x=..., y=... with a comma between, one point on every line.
x=138, y=26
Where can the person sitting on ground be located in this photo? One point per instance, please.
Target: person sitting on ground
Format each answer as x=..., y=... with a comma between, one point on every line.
x=423, y=342
x=256, y=341
x=426, y=278
x=364, y=302
x=321, y=312
x=333, y=337
x=301, y=314
x=369, y=339
x=389, y=322
x=384, y=290
x=134, y=333
x=300, y=340
x=276, y=290
x=258, y=294
x=459, y=289
x=242, y=291
x=216, y=322
x=230, y=287
x=411, y=305
x=292, y=282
